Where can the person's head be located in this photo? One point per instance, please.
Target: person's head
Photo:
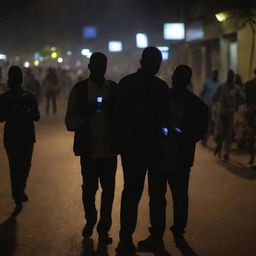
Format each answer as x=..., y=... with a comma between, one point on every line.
x=215, y=74
x=151, y=60
x=98, y=64
x=15, y=77
x=238, y=79
x=230, y=76
x=181, y=77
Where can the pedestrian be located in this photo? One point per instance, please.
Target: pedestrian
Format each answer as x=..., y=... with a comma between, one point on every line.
x=18, y=110
x=140, y=113
x=208, y=90
x=227, y=98
x=187, y=124
x=238, y=81
x=33, y=85
x=90, y=116
x=250, y=92
x=50, y=83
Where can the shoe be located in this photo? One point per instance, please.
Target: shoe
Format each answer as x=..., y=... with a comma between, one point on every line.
x=87, y=230
x=126, y=248
x=24, y=198
x=180, y=241
x=105, y=239
x=150, y=244
x=226, y=157
x=217, y=151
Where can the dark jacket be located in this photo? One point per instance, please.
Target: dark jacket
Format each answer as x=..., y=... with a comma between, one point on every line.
x=140, y=111
x=78, y=116
x=19, y=110
x=178, y=148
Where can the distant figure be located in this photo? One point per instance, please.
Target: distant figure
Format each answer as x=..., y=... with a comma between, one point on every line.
x=90, y=116
x=208, y=90
x=227, y=98
x=140, y=111
x=250, y=92
x=50, y=83
x=19, y=110
x=187, y=124
x=238, y=81
x=32, y=84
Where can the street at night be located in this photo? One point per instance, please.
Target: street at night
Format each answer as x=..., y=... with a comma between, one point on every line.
x=222, y=207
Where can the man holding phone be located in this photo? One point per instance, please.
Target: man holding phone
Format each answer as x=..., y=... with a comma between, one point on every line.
x=187, y=124
x=90, y=116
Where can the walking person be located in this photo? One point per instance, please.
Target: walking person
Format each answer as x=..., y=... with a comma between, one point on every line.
x=227, y=98
x=250, y=92
x=90, y=116
x=50, y=83
x=187, y=124
x=19, y=110
x=140, y=113
x=208, y=90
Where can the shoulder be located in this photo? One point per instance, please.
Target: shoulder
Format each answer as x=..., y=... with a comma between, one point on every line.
x=111, y=83
x=198, y=102
x=129, y=78
x=161, y=83
x=80, y=84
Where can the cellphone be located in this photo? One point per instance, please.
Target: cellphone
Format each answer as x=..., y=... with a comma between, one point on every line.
x=164, y=131
x=99, y=99
x=178, y=130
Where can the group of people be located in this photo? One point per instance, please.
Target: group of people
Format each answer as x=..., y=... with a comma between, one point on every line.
x=152, y=127
x=223, y=101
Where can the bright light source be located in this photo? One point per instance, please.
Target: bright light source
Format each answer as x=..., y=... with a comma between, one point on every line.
x=141, y=40
x=85, y=52
x=115, y=46
x=165, y=55
x=165, y=51
x=174, y=31
x=26, y=64
x=69, y=53
x=3, y=57
x=36, y=62
x=53, y=49
x=163, y=48
x=89, y=32
x=221, y=16
x=54, y=55
x=60, y=60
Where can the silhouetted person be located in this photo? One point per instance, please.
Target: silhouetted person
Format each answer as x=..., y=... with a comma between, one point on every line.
x=187, y=124
x=90, y=116
x=32, y=84
x=140, y=111
x=226, y=99
x=19, y=110
x=250, y=92
x=208, y=90
x=50, y=84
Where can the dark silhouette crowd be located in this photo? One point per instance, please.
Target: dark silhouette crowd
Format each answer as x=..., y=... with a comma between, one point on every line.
x=154, y=128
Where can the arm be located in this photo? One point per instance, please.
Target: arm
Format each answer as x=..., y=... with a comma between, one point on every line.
x=2, y=110
x=73, y=119
x=35, y=114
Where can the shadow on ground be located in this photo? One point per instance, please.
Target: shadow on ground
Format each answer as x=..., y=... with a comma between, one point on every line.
x=8, y=239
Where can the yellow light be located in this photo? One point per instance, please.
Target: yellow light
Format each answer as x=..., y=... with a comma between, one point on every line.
x=36, y=62
x=53, y=49
x=54, y=55
x=221, y=16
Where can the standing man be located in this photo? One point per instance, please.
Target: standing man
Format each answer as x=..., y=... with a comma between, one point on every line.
x=19, y=110
x=208, y=90
x=50, y=83
x=187, y=124
x=90, y=116
x=140, y=113
x=250, y=92
x=227, y=98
